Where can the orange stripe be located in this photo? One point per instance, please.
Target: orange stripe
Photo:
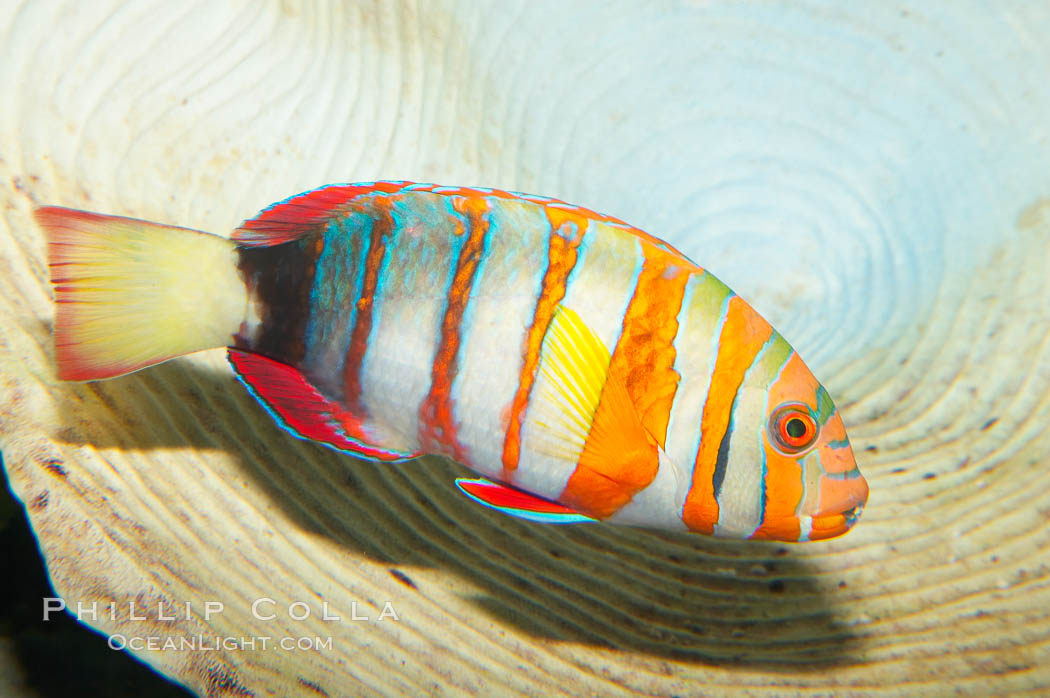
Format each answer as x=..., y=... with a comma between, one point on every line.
x=608, y=476
x=436, y=422
x=743, y=334
x=382, y=228
x=567, y=231
x=783, y=493
x=784, y=476
x=645, y=353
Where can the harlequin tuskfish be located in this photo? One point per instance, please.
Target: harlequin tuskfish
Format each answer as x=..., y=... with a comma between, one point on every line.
x=588, y=370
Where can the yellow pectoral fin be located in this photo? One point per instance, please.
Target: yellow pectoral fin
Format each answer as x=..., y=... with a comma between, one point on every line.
x=573, y=368
x=586, y=414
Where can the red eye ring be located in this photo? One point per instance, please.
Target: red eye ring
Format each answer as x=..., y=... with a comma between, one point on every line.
x=792, y=428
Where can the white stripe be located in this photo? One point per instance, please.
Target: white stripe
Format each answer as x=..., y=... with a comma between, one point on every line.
x=700, y=321
x=494, y=329
x=660, y=504
x=740, y=499
x=805, y=528
x=406, y=317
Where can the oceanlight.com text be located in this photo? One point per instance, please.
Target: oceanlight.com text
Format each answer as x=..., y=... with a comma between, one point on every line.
x=214, y=643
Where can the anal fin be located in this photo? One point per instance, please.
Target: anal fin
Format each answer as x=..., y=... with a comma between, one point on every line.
x=301, y=409
x=518, y=503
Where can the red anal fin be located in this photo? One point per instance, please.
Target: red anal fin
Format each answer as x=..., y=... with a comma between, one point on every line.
x=517, y=503
x=303, y=213
x=302, y=410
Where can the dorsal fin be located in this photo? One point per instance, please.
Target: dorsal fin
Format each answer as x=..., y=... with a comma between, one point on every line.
x=300, y=408
x=301, y=214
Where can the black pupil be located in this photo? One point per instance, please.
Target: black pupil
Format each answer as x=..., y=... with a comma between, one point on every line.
x=795, y=428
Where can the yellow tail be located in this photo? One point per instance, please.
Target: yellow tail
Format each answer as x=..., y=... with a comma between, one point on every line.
x=129, y=293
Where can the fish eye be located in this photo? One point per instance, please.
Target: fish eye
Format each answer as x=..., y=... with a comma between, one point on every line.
x=792, y=428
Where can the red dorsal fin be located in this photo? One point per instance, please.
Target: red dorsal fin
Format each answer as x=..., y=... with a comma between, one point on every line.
x=518, y=503
x=300, y=408
x=303, y=213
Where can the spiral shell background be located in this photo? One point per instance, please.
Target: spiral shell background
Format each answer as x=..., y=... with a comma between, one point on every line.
x=874, y=177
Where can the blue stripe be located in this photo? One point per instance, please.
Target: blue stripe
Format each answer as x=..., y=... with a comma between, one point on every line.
x=715, y=343
x=848, y=475
x=762, y=427
x=338, y=278
x=825, y=407
x=722, y=462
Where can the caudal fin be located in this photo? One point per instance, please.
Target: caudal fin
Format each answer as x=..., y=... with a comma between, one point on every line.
x=130, y=293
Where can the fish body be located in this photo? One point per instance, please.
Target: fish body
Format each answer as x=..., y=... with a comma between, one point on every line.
x=587, y=369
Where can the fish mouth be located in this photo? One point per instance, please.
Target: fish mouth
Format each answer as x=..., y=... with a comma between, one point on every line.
x=852, y=515
x=833, y=525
